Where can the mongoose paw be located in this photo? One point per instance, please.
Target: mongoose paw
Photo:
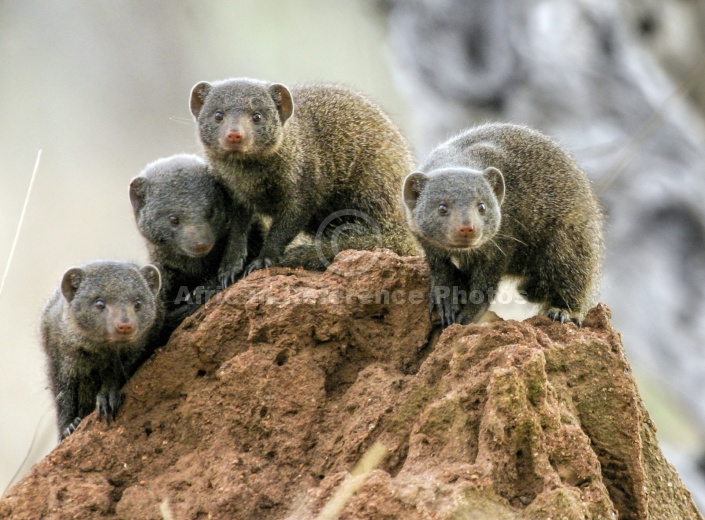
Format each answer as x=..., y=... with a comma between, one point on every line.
x=562, y=315
x=70, y=428
x=108, y=402
x=227, y=274
x=447, y=310
x=259, y=263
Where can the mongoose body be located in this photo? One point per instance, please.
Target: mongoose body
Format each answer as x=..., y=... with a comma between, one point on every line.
x=312, y=157
x=504, y=201
x=96, y=330
x=184, y=214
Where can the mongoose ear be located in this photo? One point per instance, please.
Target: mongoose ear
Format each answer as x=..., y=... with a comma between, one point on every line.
x=282, y=98
x=138, y=189
x=198, y=97
x=413, y=186
x=70, y=282
x=496, y=180
x=154, y=279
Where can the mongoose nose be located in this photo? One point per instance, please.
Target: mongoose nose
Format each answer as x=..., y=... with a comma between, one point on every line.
x=202, y=248
x=124, y=327
x=466, y=230
x=234, y=136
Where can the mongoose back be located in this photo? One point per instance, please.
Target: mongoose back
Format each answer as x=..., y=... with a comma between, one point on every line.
x=502, y=200
x=184, y=214
x=96, y=330
x=312, y=157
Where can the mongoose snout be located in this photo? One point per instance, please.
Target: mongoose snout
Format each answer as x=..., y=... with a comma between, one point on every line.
x=465, y=227
x=124, y=327
x=234, y=136
x=120, y=322
x=467, y=231
x=236, y=131
x=198, y=240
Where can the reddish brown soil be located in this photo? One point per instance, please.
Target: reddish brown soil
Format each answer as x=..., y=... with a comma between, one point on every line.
x=263, y=402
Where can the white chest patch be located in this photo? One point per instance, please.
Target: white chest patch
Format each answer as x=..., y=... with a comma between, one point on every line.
x=455, y=261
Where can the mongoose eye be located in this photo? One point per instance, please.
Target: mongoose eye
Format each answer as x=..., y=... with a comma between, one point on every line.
x=481, y=208
x=257, y=117
x=218, y=116
x=173, y=220
x=99, y=304
x=138, y=305
x=442, y=209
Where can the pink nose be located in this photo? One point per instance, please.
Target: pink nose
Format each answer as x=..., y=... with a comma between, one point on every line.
x=202, y=248
x=466, y=230
x=234, y=136
x=124, y=327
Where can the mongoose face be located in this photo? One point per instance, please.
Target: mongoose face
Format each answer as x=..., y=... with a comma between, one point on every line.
x=456, y=208
x=241, y=118
x=111, y=302
x=179, y=207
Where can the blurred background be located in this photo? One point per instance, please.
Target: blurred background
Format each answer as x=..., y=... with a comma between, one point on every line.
x=102, y=89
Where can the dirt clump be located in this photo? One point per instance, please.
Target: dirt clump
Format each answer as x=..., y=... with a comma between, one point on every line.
x=263, y=402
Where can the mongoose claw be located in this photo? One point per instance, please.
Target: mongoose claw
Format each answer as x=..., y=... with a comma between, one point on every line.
x=453, y=316
x=108, y=402
x=226, y=279
x=448, y=315
x=70, y=428
x=259, y=263
x=227, y=275
x=563, y=316
x=557, y=314
x=447, y=311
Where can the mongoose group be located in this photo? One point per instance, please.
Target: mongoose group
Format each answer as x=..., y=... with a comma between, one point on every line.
x=324, y=163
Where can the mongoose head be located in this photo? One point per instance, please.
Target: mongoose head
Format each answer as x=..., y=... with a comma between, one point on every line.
x=454, y=208
x=112, y=302
x=179, y=207
x=241, y=118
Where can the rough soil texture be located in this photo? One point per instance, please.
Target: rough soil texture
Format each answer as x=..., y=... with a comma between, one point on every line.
x=262, y=403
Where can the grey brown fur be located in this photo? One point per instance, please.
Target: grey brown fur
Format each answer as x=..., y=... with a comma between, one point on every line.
x=96, y=330
x=503, y=200
x=299, y=156
x=184, y=214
